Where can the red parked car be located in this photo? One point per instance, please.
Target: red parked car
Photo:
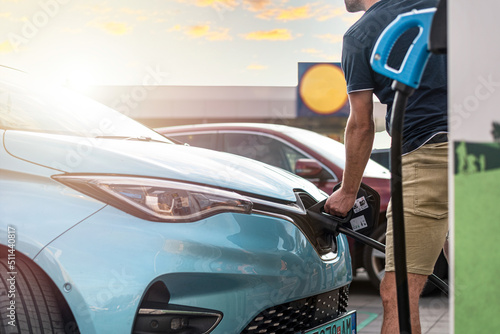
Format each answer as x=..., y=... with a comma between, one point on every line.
x=306, y=153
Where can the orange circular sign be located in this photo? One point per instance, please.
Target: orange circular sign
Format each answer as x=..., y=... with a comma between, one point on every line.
x=323, y=88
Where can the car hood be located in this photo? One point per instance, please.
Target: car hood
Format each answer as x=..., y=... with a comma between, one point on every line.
x=72, y=154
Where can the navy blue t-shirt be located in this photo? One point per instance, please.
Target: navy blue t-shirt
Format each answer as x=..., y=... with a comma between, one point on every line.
x=426, y=112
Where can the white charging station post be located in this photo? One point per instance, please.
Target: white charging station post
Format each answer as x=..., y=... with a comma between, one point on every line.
x=474, y=124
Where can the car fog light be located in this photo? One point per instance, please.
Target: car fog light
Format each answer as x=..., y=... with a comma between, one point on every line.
x=176, y=319
x=179, y=323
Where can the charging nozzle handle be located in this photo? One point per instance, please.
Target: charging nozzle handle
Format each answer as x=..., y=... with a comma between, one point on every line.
x=319, y=209
x=417, y=55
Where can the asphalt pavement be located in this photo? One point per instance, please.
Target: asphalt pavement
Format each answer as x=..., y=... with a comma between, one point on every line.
x=365, y=299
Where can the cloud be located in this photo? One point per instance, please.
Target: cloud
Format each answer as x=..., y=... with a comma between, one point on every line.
x=177, y=27
x=257, y=67
x=206, y=32
x=296, y=13
x=275, y=11
x=114, y=28
x=10, y=17
x=217, y=3
x=331, y=38
x=198, y=30
x=288, y=14
x=6, y=47
x=256, y=5
x=270, y=35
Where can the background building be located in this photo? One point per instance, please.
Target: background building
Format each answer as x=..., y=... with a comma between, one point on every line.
x=157, y=106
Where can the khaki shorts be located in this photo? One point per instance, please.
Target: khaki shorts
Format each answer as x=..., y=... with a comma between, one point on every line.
x=425, y=200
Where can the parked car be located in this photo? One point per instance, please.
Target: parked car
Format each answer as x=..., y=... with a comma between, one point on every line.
x=109, y=227
x=308, y=154
x=382, y=156
x=381, y=151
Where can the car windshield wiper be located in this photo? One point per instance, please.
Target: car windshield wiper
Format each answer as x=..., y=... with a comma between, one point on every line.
x=140, y=138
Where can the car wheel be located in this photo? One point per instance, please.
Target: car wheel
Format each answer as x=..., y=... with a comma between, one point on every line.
x=28, y=303
x=374, y=263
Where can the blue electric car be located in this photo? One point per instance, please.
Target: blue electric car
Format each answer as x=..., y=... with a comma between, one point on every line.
x=108, y=227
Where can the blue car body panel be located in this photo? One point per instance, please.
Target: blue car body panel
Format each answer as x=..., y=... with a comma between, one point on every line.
x=28, y=195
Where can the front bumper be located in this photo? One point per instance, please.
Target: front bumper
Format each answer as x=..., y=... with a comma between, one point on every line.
x=235, y=264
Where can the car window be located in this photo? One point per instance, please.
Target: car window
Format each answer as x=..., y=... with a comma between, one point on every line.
x=292, y=155
x=262, y=148
x=382, y=156
x=204, y=140
x=333, y=150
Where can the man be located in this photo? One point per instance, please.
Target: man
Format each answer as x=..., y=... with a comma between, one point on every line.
x=424, y=148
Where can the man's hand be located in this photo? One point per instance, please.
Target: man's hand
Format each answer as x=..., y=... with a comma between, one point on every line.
x=339, y=203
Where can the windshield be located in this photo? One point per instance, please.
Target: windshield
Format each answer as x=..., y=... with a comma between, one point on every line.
x=29, y=105
x=333, y=151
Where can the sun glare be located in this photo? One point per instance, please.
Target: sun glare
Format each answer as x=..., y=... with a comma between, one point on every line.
x=79, y=79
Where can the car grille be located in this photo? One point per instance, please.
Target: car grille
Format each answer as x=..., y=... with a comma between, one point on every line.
x=300, y=315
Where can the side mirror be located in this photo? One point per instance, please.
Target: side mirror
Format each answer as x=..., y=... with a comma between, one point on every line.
x=307, y=167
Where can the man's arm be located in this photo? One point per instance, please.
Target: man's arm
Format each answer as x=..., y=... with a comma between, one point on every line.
x=359, y=134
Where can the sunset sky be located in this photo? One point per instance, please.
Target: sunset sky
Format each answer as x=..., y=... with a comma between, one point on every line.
x=171, y=42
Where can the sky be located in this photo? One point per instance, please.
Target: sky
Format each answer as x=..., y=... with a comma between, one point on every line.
x=170, y=42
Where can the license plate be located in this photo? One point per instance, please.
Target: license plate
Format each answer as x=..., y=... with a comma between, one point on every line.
x=344, y=325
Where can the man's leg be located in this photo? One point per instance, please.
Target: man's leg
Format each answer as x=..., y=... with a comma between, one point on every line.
x=390, y=324
x=425, y=198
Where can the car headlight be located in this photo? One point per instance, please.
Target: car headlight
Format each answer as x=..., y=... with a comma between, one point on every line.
x=157, y=199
